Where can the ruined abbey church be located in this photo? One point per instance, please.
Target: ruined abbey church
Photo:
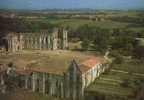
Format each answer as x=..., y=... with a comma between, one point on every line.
x=58, y=73
x=56, y=39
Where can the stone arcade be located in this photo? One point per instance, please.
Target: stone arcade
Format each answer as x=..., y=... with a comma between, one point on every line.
x=53, y=40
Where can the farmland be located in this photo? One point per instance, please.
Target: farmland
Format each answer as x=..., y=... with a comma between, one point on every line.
x=121, y=82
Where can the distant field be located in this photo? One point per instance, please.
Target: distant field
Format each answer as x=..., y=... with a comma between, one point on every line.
x=74, y=23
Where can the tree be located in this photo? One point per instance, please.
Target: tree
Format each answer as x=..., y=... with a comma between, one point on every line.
x=102, y=40
x=139, y=52
x=123, y=44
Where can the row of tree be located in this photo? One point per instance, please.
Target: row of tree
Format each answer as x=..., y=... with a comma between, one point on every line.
x=121, y=41
x=22, y=25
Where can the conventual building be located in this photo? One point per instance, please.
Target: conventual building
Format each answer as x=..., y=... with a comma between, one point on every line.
x=63, y=74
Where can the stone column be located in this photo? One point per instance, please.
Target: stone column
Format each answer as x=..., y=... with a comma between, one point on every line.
x=35, y=43
x=21, y=42
x=3, y=87
x=42, y=45
x=9, y=45
x=40, y=42
x=26, y=82
x=49, y=42
x=12, y=45
x=55, y=39
x=28, y=42
x=64, y=40
x=24, y=43
x=44, y=42
x=81, y=96
x=62, y=90
x=31, y=46
x=51, y=82
x=2, y=80
x=32, y=43
x=34, y=78
x=43, y=83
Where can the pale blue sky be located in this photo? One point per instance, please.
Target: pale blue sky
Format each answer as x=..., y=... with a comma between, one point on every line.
x=95, y=4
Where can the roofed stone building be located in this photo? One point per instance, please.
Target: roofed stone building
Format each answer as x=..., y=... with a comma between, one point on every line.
x=62, y=74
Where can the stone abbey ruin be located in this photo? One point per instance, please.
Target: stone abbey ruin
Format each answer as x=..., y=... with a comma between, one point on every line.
x=53, y=40
x=39, y=65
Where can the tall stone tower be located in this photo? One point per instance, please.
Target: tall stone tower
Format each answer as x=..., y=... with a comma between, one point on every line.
x=73, y=82
x=65, y=39
x=55, y=39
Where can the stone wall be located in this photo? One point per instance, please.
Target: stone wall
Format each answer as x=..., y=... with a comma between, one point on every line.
x=71, y=84
x=68, y=85
x=48, y=84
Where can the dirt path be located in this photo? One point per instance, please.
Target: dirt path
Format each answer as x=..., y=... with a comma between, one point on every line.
x=109, y=79
x=121, y=71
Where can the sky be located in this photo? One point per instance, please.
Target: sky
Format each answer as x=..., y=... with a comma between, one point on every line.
x=70, y=4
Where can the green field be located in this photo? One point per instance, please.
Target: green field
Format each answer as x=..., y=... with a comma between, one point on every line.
x=132, y=67
x=110, y=84
x=75, y=23
x=119, y=84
